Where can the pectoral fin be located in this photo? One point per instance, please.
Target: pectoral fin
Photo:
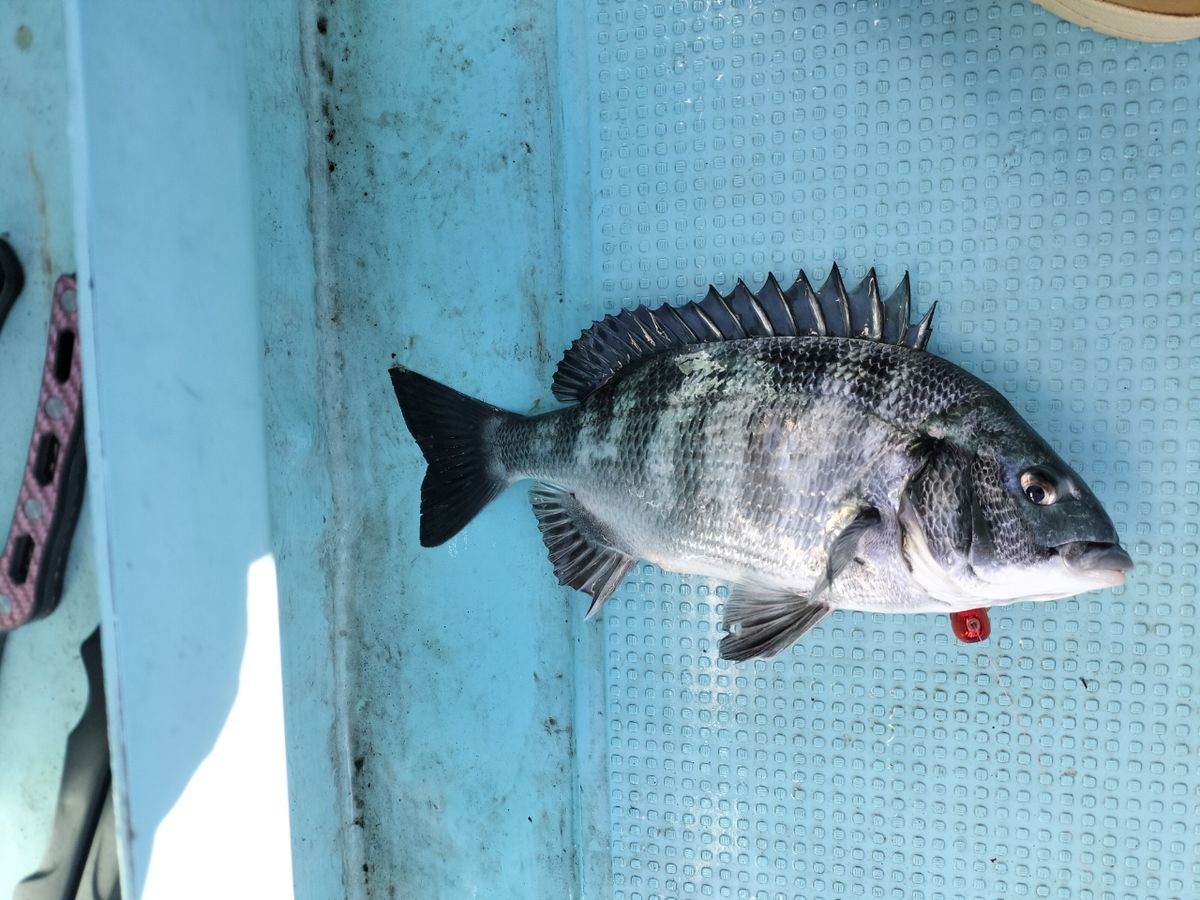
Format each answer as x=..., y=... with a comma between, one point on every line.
x=845, y=547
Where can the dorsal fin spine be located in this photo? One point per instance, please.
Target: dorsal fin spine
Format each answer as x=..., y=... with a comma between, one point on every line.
x=876, y=332
x=642, y=341
x=737, y=323
x=925, y=328
x=755, y=306
x=814, y=304
x=772, y=285
x=709, y=323
x=678, y=318
x=905, y=292
x=842, y=297
x=651, y=327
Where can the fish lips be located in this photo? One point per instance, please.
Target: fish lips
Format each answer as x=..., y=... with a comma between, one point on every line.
x=1103, y=562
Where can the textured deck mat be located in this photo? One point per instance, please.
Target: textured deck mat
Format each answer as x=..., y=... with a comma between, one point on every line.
x=1042, y=182
x=484, y=181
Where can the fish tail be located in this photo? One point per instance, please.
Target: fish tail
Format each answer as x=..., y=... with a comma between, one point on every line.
x=454, y=433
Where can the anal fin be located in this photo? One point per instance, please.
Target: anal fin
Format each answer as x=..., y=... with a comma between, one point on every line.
x=763, y=621
x=581, y=548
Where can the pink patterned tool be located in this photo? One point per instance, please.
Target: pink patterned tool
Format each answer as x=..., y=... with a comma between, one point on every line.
x=35, y=554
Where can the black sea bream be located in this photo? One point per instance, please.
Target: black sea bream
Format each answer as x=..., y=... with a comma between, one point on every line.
x=800, y=444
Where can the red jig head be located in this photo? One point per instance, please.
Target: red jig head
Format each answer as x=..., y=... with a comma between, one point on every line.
x=971, y=626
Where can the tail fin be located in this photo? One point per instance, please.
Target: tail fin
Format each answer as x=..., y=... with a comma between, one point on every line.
x=451, y=430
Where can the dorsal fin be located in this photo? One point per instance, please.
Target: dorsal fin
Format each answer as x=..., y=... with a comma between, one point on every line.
x=618, y=341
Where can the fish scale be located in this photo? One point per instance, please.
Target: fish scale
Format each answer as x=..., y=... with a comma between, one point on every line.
x=800, y=444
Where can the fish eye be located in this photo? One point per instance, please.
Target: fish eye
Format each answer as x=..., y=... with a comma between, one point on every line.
x=1038, y=487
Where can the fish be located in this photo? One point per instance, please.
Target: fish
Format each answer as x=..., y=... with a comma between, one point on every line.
x=802, y=445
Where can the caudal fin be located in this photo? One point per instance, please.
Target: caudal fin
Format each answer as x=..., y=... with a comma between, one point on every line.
x=450, y=428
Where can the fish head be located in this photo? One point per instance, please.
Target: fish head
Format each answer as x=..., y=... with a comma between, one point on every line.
x=995, y=516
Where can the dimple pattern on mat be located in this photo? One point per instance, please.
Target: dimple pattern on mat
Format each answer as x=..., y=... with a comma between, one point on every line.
x=1043, y=182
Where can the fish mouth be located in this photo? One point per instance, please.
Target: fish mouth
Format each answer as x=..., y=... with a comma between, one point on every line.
x=1103, y=562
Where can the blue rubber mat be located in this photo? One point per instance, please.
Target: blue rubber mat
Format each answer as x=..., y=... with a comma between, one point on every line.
x=1040, y=181
x=484, y=181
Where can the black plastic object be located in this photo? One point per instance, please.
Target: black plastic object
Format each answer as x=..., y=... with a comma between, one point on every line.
x=12, y=279
x=81, y=862
x=34, y=556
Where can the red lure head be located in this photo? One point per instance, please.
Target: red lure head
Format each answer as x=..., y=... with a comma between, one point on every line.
x=971, y=626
